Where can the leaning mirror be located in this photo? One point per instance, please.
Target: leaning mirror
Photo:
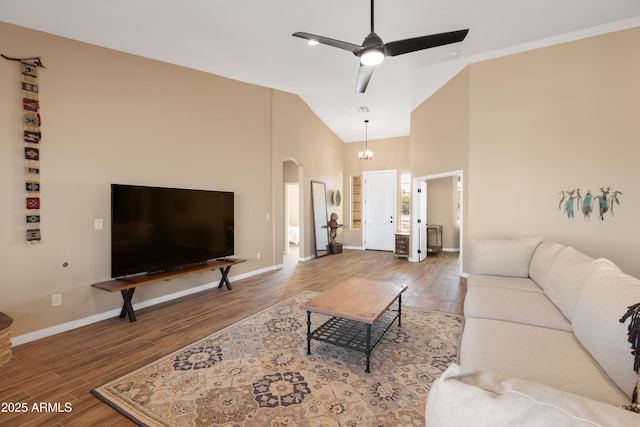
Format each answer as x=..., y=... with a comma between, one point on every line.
x=319, y=209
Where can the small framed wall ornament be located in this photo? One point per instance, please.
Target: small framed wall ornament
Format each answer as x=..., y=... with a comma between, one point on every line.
x=336, y=198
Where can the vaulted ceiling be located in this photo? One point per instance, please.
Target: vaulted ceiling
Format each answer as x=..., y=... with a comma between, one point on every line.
x=250, y=40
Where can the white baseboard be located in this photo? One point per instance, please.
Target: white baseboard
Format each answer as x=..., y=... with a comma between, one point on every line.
x=43, y=333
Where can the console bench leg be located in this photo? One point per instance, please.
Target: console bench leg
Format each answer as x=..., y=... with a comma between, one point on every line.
x=225, y=278
x=127, y=307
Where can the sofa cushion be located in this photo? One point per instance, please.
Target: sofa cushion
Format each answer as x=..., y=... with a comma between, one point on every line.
x=541, y=261
x=602, y=302
x=463, y=397
x=532, y=353
x=502, y=257
x=566, y=277
x=504, y=282
x=513, y=305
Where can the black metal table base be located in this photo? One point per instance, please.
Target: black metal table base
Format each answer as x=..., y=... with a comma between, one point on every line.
x=354, y=335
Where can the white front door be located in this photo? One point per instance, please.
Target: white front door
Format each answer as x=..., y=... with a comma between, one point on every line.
x=379, y=210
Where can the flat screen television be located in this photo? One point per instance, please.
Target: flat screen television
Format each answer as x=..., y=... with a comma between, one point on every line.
x=155, y=229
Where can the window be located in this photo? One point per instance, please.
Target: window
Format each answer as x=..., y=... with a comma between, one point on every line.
x=404, y=226
x=356, y=202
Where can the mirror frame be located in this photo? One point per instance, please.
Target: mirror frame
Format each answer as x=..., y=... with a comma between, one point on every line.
x=320, y=218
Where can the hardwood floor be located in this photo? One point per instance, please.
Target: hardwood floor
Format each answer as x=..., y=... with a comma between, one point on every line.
x=65, y=367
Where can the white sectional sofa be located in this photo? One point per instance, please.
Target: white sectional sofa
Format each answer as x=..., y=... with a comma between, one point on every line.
x=542, y=342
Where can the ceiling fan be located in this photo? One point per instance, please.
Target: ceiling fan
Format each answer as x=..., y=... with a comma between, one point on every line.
x=373, y=50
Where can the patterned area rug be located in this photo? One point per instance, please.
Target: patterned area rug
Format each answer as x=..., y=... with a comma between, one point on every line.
x=256, y=373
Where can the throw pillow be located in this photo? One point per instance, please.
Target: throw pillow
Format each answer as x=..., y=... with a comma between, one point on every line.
x=462, y=397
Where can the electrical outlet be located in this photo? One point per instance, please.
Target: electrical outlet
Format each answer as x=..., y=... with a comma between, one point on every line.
x=56, y=300
x=258, y=256
x=98, y=224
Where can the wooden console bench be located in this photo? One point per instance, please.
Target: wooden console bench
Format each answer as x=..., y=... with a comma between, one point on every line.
x=127, y=286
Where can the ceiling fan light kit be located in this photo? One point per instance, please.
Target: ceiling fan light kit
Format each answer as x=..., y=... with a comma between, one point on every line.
x=373, y=49
x=372, y=56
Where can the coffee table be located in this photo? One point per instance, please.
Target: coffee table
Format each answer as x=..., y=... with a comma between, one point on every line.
x=360, y=314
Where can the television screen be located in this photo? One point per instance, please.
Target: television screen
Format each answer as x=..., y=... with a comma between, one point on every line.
x=156, y=229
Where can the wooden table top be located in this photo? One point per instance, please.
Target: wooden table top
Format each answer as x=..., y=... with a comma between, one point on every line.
x=357, y=299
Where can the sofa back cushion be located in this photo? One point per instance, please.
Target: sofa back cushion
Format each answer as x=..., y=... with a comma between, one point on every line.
x=502, y=257
x=567, y=276
x=602, y=302
x=541, y=261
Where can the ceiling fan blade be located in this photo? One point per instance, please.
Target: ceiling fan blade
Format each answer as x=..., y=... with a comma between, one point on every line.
x=354, y=48
x=425, y=42
x=364, y=75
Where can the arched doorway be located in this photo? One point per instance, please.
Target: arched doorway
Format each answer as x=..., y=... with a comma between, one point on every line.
x=293, y=219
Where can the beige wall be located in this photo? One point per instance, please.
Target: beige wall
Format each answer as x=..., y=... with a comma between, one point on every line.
x=388, y=154
x=540, y=122
x=440, y=129
x=300, y=137
x=110, y=117
x=522, y=128
x=440, y=137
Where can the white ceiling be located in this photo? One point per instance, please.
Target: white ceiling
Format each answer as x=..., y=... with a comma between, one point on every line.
x=250, y=40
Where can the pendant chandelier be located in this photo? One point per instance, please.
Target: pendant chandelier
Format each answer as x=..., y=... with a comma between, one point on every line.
x=366, y=154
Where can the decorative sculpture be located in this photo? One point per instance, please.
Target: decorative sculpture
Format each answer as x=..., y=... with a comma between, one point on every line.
x=571, y=200
x=570, y=196
x=604, y=203
x=333, y=227
x=586, y=205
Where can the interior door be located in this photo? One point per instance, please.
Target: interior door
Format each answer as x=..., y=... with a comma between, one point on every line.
x=422, y=225
x=379, y=210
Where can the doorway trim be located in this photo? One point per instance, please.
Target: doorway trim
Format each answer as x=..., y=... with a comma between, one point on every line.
x=288, y=206
x=416, y=201
x=301, y=209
